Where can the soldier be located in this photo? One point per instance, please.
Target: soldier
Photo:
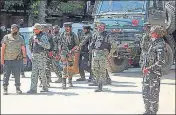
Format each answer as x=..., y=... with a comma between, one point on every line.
x=67, y=42
x=152, y=70
x=101, y=49
x=103, y=33
x=12, y=53
x=47, y=31
x=56, y=40
x=145, y=41
x=84, y=56
x=39, y=59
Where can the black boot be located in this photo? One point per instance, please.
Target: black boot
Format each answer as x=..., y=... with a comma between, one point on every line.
x=81, y=79
x=63, y=83
x=59, y=80
x=18, y=90
x=100, y=86
x=70, y=82
x=108, y=81
x=5, y=90
x=94, y=83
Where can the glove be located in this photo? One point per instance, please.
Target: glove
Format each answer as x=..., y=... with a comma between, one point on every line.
x=50, y=54
x=57, y=57
x=145, y=70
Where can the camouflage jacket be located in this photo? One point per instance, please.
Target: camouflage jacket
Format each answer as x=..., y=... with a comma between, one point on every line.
x=43, y=41
x=67, y=41
x=104, y=38
x=85, y=40
x=56, y=40
x=155, y=55
x=145, y=42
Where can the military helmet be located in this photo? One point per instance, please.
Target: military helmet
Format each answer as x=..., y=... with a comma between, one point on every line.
x=158, y=29
x=68, y=24
x=38, y=26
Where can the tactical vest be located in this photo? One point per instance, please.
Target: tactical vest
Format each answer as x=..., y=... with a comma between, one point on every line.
x=36, y=48
x=100, y=43
x=13, y=47
x=69, y=41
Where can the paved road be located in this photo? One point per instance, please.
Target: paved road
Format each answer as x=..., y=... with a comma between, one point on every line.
x=122, y=97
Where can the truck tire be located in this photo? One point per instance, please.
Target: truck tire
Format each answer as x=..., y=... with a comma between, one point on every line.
x=170, y=13
x=116, y=65
x=168, y=59
x=170, y=40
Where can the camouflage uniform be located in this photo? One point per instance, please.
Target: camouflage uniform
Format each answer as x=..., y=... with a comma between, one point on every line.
x=85, y=59
x=107, y=39
x=145, y=43
x=67, y=42
x=39, y=60
x=57, y=69
x=100, y=51
x=49, y=59
x=153, y=61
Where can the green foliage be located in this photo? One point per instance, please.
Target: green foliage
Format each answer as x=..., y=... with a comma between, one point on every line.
x=71, y=7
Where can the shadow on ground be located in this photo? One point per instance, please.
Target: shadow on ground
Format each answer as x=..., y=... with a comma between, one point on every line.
x=50, y=93
x=123, y=92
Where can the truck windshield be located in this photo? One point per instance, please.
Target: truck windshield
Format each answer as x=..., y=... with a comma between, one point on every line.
x=121, y=6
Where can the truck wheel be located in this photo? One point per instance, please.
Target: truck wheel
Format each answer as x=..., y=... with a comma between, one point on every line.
x=170, y=40
x=116, y=65
x=168, y=59
x=170, y=13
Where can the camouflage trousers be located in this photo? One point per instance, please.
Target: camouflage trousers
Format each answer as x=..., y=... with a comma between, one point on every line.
x=150, y=90
x=39, y=61
x=99, y=63
x=52, y=65
x=65, y=64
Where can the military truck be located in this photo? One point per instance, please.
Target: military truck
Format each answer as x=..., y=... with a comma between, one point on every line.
x=124, y=23
x=126, y=19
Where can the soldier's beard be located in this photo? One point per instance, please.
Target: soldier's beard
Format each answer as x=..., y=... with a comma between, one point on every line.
x=14, y=34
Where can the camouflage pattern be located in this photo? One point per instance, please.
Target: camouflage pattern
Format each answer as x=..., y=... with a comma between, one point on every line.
x=56, y=68
x=39, y=61
x=13, y=47
x=153, y=61
x=67, y=42
x=99, y=57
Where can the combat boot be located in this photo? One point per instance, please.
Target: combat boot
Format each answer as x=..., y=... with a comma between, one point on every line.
x=5, y=90
x=81, y=79
x=100, y=86
x=63, y=83
x=70, y=82
x=59, y=80
x=94, y=83
x=18, y=90
x=108, y=81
